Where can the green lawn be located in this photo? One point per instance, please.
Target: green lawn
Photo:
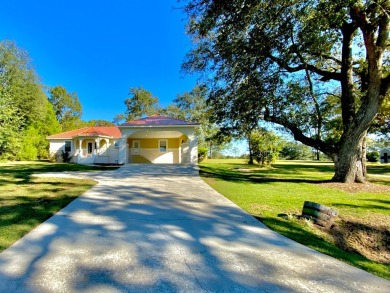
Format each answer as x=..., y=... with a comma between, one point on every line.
x=282, y=189
x=27, y=201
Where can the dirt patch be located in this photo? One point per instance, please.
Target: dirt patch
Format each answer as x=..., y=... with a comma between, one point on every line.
x=357, y=187
x=367, y=238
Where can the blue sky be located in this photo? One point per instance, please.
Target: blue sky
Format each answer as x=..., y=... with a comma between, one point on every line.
x=99, y=49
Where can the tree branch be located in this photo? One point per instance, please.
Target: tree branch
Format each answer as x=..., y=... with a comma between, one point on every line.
x=327, y=75
x=318, y=144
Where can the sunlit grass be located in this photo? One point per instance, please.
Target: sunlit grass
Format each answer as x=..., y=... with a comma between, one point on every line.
x=26, y=201
x=282, y=189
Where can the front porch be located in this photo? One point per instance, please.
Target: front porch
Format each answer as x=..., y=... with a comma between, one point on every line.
x=95, y=151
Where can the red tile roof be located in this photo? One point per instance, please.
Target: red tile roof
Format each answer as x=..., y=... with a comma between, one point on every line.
x=158, y=120
x=110, y=131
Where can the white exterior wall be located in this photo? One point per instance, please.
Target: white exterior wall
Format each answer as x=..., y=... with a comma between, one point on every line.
x=57, y=146
x=113, y=153
x=104, y=155
x=193, y=150
x=123, y=150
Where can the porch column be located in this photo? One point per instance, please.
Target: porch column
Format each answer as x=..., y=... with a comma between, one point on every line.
x=97, y=144
x=80, y=150
x=122, y=151
x=193, y=149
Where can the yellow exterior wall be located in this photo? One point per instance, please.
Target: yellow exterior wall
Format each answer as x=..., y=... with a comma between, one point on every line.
x=146, y=143
x=85, y=142
x=152, y=143
x=173, y=143
x=139, y=160
x=152, y=153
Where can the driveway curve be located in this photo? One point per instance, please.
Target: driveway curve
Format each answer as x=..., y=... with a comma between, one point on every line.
x=160, y=228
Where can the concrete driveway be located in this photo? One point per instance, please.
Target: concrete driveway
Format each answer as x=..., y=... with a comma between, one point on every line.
x=160, y=228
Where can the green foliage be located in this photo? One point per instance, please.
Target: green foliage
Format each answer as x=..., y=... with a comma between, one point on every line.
x=193, y=106
x=373, y=156
x=295, y=151
x=98, y=123
x=65, y=157
x=265, y=146
x=202, y=153
x=20, y=81
x=26, y=116
x=30, y=140
x=10, y=124
x=141, y=103
x=67, y=107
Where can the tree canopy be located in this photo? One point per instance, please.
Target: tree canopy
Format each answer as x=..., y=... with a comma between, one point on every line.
x=67, y=107
x=26, y=116
x=140, y=103
x=317, y=68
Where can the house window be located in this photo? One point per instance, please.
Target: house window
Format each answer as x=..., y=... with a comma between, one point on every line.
x=68, y=146
x=163, y=145
x=116, y=144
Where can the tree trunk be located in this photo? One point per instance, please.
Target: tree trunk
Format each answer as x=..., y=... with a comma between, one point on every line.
x=250, y=162
x=350, y=164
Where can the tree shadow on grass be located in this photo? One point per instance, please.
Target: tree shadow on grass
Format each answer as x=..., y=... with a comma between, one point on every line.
x=378, y=204
x=23, y=213
x=382, y=169
x=258, y=178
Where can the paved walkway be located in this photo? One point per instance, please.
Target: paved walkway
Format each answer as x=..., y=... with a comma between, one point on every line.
x=154, y=228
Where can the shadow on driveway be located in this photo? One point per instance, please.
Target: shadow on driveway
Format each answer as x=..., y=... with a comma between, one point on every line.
x=160, y=228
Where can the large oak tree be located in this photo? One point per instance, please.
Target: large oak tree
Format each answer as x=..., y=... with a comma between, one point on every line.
x=318, y=68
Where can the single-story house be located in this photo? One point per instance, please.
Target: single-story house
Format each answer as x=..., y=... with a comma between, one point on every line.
x=154, y=139
x=385, y=156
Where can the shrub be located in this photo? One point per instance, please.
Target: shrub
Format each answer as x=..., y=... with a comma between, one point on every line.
x=66, y=157
x=372, y=156
x=202, y=154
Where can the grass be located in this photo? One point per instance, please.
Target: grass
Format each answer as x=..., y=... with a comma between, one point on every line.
x=282, y=189
x=26, y=201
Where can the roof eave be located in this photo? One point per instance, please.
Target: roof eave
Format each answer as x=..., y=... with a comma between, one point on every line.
x=78, y=136
x=48, y=137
